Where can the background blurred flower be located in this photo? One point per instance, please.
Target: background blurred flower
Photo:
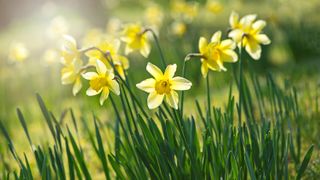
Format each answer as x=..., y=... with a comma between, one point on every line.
x=185, y=11
x=163, y=85
x=69, y=50
x=51, y=56
x=214, y=6
x=58, y=27
x=71, y=73
x=18, y=52
x=154, y=16
x=178, y=28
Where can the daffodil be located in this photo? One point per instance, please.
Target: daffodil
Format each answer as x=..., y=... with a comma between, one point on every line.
x=120, y=62
x=163, y=86
x=178, y=28
x=71, y=74
x=18, y=52
x=136, y=39
x=69, y=50
x=185, y=11
x=102, y=82
x=154, y=16
x=214, y=6
x=248, y=33
x=215, y=53
x=58, y=27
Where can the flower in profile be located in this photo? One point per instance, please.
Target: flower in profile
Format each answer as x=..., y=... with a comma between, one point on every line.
x=71, y=74
x=120, y=62
x=69, y=50
x=102, y=82
x=163, y=85
x=18, y=52
x=215, y=53
x=136, y=39
x=248, y=33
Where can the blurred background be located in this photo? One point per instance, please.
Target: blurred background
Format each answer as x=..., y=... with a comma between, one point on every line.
x=30, y=42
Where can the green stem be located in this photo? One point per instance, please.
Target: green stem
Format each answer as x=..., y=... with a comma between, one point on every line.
x=164, y=64
x=240, y=84
x=208, y=95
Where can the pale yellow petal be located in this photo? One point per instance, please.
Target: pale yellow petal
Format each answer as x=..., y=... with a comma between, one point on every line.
x=154, y=70
x=263, y=39
x=172, y=99
x=258, y=25
x=92, y=92
x=253, y=49
x=128, y=50
x=89, y=75
x=221, y=66
x=147, y=85
x=234, y=19
x=236, y=35
x=76, y=86
x=228, y=44
x=101, y=67
x=69, y=43
x=155, y=100
x=229, y=56
x=203, y=43
x=170, y=71
x=104, y=95
x=114, y=87
x=145, y=50
x=216, y=37
x=180, y=83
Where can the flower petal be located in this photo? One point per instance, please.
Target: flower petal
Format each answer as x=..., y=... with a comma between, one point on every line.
x=170, y=70
x=236, y=35
x=92, y=92
x=228, y=44
x=76, y=86
x=216, y=37
x=104, y=95
x=172, y=99
x=180, y=83
x=258, y=25
x=154, y=71
x=263, y=39
x=101, y=67
x=203, y=43
x=234, y=19
x=89, y=75
x=204, y=69
x=128, y=50
x=155, y=100
x=254, y=49
x=145, y=50
x=114, y=87
x=229, y=56
x=147, y=85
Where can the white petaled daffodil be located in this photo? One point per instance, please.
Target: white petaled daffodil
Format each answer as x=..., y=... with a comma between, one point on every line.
x=71, y=74
x=103, y=81
x=248, y=32
x=163, y=86
x=215, y=53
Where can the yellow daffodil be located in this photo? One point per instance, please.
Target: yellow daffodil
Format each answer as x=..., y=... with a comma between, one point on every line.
x=92, y=38
x=18, y=52
x=102, y=82
x=69, y=50
x=214, y=6
x=163, y=85
x=71, y=74
x=136, y=40
x=247, y=32
x=121, y=63
x=215, y=53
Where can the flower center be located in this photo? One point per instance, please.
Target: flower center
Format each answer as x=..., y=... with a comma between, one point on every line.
x=163, y=86
x=98, y=83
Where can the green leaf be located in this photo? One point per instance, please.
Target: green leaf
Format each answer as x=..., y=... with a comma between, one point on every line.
x=305, y=162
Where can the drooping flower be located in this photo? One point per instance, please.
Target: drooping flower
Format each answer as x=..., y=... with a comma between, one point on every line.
x=163, y=85
x=102, y=82
x=136, y=39
x=18, y=52
x=215, y=53
x=71, y=74
x=69, y=50
x=120, y=62
x=248, y=33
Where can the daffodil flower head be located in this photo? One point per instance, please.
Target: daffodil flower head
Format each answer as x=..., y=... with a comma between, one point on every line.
x=71, y=74
x=103, y=81
x=163, y=86
x=69, y=50
x=247, y=33
x=136, y=39
x=215, y=53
